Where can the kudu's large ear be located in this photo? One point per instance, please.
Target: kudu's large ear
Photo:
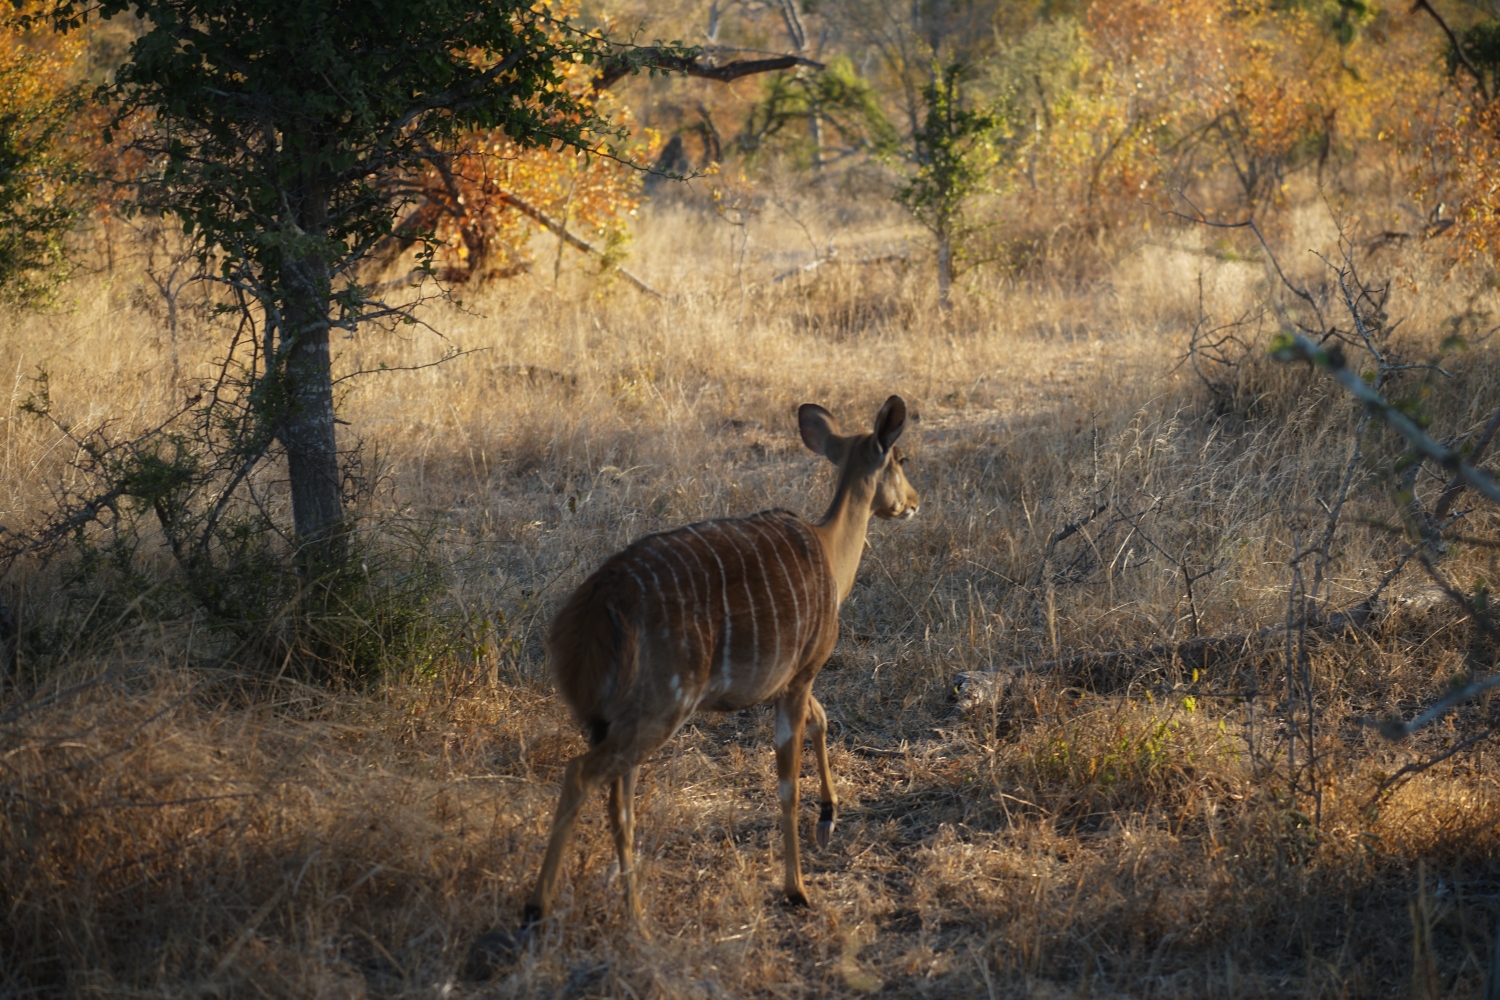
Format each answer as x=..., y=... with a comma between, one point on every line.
x=890, y=422
x=820, y=432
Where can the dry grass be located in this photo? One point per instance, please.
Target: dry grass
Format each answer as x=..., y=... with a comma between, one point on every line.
x=173, y=826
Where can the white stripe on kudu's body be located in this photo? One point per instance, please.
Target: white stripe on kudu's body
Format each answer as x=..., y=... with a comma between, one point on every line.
x=752, y=617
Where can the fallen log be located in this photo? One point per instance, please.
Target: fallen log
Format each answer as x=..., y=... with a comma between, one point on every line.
x=979, y=688
x=835, y=259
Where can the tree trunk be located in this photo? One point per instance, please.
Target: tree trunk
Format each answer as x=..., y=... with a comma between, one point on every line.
x=10, y=646
x=815, y=135
x=307, y=430
x=944, y=268
x=311, y=449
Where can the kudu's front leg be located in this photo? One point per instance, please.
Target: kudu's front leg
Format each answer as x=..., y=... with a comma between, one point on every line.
x=791, y=717
x=828, y=801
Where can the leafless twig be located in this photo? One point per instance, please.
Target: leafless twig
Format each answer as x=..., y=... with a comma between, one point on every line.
x=1417, y=767
x=1393, y=728
x=1456, y=485
x=1250, y=224
x=1065, y=532
x=1298, y=347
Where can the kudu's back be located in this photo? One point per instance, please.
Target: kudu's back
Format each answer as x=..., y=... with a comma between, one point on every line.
x=723, y=612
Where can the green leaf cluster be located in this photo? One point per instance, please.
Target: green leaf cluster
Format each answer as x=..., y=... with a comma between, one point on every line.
x=276, y=126
x=1481, y=44
x=282, y=134
x=844, y=101
x=952, y=152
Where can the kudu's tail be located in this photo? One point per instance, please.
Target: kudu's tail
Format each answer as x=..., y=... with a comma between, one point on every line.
x=593, y=648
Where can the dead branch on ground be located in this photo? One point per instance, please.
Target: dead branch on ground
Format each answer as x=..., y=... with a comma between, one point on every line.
x=1106, y=668
x=833, y=259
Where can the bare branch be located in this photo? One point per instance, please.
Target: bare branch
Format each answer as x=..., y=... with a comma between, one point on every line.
x=1249, y=224
x=654, y=58
x=1393, y=728
x=1456, y=485
x=1068, y=531
x=385, y=369
x=1299, y=347
x=982, y=686
x=1418, y=767
x=1458, y=50
x=575, y=242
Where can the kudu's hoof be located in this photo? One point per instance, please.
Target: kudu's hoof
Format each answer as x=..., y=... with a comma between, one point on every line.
x=797, y=898
x=825, y=826
x=495, y=951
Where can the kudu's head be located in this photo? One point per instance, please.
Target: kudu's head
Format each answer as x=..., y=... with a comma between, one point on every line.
x=868, y=463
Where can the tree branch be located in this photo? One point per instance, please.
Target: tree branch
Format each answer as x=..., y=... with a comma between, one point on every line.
x=1458, y=50
x=1456, y=485
x=1295, y=347
x=655, y=58
x=575, y=242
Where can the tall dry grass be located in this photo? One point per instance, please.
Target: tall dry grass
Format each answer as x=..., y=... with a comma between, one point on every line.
x=177, y=824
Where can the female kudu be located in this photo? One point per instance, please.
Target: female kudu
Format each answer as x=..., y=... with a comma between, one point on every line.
x=718, y=615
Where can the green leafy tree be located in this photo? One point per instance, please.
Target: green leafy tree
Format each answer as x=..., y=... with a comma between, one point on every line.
x=274, y=129
x=835, y=104
x=952, y=153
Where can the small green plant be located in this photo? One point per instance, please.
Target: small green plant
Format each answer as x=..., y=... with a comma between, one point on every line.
x=276, y=135
x=1127, y=759
x=380, y=616
x=1079, y=758
x=952, y=156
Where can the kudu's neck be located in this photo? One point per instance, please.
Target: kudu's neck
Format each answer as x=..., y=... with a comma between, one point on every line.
x=842, y=529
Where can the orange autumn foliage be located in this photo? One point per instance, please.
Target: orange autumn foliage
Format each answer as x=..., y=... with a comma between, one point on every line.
x=1217, y=102
x=470, y=193
x=1459, y=180
x=45, y=148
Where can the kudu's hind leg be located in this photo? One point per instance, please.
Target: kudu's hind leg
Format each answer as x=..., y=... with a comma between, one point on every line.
x=828, y=801
x=791, y=717
x=622, y=823
x=584, y=775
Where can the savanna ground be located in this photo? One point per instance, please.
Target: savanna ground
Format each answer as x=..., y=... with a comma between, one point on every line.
x=179, y=823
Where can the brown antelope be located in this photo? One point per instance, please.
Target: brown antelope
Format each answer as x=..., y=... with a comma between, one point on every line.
x=718, y=615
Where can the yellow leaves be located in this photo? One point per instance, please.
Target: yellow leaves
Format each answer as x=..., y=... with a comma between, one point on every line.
x=1468, y=147
x=37, y=65
x=469, y=198
x=486, y=235
x=1181, y=91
